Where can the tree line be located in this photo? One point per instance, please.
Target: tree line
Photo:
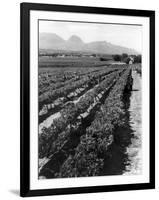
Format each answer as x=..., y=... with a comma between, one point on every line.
x=127, y=58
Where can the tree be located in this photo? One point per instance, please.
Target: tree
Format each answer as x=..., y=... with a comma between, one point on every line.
x=126, y=60
x=124, y=56
x=117, y=57
x=137, y=59
x=103, y=59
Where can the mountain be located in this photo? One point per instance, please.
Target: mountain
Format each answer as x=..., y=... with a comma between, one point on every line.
x=74, y=43
x=50, y=40
x=75, y=39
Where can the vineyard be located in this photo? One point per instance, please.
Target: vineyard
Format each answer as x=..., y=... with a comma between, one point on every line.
x=80, y=110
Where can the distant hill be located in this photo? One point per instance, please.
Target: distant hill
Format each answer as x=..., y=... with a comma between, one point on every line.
x=54, y=42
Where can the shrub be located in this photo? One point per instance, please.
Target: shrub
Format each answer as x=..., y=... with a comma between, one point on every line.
x=117, y=57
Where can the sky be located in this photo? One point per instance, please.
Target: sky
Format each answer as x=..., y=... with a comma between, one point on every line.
x=124, y=35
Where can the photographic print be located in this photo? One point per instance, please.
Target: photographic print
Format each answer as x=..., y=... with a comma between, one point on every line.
x=87, y=99
x=90, y=99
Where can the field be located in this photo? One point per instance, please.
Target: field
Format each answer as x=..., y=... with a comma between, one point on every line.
x=80, y=111
x=49, y=61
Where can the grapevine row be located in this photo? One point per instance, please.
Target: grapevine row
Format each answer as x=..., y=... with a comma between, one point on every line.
x=71, y=114
x=53, y=80
x=59, y=103
x=88, y=159
x=50, y=96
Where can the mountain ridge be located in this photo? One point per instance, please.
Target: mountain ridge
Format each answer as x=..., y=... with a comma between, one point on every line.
x=75, y=43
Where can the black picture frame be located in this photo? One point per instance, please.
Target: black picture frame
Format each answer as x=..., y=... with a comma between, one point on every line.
x=25, y=9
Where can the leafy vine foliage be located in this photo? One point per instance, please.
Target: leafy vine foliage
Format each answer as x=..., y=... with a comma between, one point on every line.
x=77, y=143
